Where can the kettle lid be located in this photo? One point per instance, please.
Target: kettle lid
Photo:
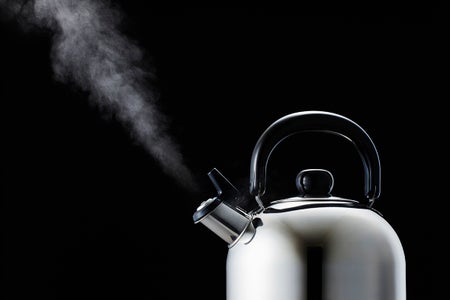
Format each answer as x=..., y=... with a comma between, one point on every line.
x=314, y=186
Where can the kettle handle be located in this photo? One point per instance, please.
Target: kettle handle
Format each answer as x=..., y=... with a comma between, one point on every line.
x=319, y=121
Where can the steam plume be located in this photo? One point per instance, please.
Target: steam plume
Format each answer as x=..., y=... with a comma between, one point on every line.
x=90, y=51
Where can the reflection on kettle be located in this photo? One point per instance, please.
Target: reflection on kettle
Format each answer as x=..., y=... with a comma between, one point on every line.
x=314, y=245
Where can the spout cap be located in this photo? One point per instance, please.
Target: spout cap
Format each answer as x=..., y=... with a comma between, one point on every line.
x=205, y=208
x=220, y=215
x=229, y=223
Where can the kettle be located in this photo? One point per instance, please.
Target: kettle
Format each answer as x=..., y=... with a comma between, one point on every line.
x=313, y=245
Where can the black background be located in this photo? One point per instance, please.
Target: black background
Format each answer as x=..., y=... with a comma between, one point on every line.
x=88, y=214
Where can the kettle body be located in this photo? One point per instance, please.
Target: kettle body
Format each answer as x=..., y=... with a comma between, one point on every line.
x=312, y=246
x=331, y=252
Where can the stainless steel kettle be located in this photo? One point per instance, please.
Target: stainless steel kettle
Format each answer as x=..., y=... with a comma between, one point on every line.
x=314, y=245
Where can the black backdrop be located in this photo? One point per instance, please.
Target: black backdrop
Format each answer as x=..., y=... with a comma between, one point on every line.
x=88, y=214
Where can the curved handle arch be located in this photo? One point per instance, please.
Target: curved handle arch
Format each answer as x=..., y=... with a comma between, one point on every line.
x=321, y=121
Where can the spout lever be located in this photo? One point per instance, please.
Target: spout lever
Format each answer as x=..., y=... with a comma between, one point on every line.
x=223, y=186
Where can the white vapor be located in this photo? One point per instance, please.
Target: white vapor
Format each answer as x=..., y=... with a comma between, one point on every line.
x=89, y=51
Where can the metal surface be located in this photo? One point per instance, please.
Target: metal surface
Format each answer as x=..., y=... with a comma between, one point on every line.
x=362, y=257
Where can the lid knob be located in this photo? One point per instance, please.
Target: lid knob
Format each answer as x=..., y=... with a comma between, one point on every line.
x=315, y=183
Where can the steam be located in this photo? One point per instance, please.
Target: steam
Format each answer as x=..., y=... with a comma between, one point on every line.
x=89, y=51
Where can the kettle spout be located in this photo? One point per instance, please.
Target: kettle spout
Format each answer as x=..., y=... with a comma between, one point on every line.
x=221, y=216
